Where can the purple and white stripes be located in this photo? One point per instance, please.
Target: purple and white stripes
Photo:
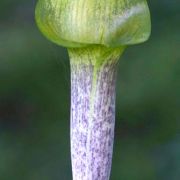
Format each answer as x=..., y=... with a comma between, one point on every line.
x=92, y=119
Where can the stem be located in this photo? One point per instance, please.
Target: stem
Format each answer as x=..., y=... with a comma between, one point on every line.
x=93, y=76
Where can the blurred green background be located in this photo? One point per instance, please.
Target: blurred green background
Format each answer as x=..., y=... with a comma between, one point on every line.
x=35, y=100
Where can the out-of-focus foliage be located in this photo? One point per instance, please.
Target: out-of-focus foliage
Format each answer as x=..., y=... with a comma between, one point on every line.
x=35, y=100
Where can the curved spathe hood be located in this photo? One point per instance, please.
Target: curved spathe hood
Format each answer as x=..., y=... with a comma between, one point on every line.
x=112, y=23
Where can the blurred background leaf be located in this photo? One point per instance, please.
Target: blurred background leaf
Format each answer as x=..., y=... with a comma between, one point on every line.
x=35, y=100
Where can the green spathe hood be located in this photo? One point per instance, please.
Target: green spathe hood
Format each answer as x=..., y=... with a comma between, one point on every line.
x=79, y=23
